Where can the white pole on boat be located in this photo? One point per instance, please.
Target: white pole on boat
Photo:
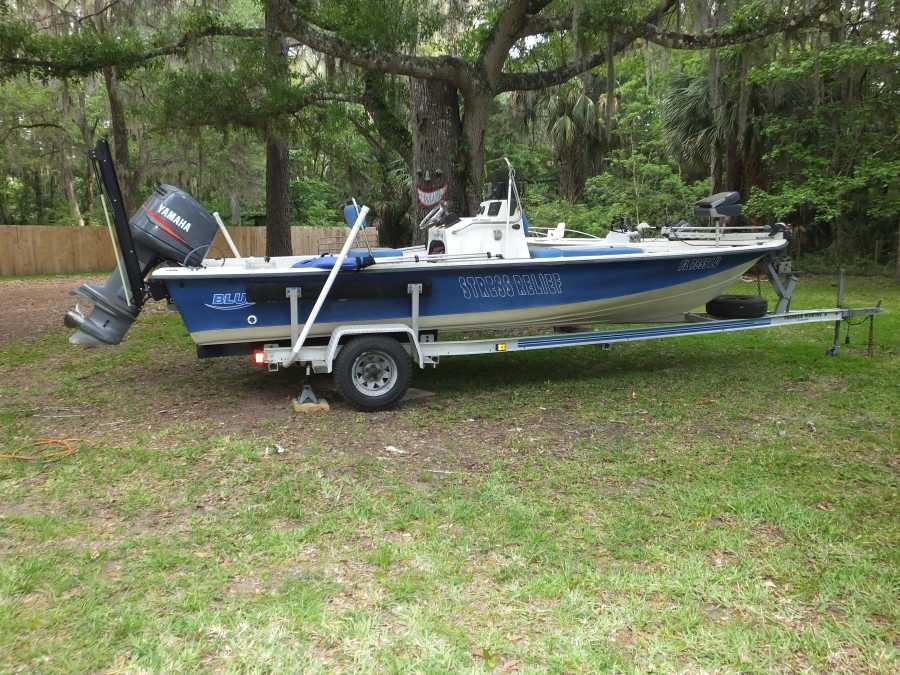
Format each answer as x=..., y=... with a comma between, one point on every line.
x=298, y=345
x=509, y=189
x=120, y=264
x=224, y=231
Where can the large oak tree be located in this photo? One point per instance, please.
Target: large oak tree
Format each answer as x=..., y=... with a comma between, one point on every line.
x=492, y=69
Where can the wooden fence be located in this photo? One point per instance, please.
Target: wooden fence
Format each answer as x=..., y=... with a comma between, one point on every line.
x=58, y=249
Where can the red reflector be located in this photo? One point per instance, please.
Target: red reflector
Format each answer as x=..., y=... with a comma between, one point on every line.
x=259, y=358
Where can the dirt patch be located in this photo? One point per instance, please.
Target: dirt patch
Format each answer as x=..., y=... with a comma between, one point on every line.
x=168, y=393
x=34, y=307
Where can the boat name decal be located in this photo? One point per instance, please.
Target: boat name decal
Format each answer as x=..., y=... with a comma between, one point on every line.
x=699, y=264
x=229, y=301
x=510, y=285
x=174, y=218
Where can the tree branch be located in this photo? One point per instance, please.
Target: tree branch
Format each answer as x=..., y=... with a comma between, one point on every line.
x=448, y=68
x=100, y=11
x=538, y=24
x=650, y=30
x=36, y=125
x=549, y=78
x=714, y=39
x=391, y=127
x=109, y=53
x=506, y=30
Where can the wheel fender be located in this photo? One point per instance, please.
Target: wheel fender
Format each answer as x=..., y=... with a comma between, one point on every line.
x=334, y=344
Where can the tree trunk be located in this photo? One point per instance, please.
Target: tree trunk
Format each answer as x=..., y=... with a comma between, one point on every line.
x=439, y=169
x=734, y=169
x=87, y=139
x=716, y=104
x=120, y=138
x=278, y=199
x=478, y=109
x=68, y=174
x=69, y=186
x=4, y=216
x=572, y=168
x=609, y=109
x=38, y=191
x=235, y=204
x=741, y=142
x=897, y=274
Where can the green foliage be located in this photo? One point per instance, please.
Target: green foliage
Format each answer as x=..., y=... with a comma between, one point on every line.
x=816, y=112
x=687, y=118
x=828, y=61
x=641, y=191
x=835, y=166
x=579, y=217
x=316, y=202
x=378, y=24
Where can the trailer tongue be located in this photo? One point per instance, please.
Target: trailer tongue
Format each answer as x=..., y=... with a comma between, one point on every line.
x=169, y=227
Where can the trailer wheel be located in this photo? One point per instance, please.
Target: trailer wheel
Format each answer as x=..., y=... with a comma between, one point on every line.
x=737, y=306
x=372, y=372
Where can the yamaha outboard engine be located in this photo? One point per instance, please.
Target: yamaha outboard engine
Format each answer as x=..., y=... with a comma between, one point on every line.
x=170, y=227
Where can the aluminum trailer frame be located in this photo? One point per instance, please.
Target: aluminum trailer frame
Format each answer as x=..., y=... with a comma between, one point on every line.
x=374, y=370
x=425, y=350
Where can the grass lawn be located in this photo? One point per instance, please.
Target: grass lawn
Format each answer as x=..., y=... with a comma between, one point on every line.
x=725, y=503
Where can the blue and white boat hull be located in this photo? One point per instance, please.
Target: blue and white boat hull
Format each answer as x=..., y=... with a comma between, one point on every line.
x=238, y=305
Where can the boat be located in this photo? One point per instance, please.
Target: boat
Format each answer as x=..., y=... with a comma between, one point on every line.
x=366, y=313
x=480, y=272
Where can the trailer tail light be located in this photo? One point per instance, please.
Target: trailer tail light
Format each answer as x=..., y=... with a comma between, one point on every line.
x=258, y=358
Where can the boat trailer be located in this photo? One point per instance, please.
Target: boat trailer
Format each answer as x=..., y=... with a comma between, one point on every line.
x=371, y=362
x=369, y=374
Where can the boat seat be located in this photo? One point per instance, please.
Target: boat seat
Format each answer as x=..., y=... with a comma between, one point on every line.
x=573, y=251
x=377, y=252
x=357, y=258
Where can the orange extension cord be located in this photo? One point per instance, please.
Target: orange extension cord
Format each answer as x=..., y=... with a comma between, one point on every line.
x=65, y=445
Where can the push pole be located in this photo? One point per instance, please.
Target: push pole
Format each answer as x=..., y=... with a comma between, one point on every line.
x=298, y=345
x=225, y=233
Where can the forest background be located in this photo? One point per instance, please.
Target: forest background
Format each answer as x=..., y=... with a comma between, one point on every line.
x=275, y=112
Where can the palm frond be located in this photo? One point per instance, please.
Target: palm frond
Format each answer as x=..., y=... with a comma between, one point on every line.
x=563, y=132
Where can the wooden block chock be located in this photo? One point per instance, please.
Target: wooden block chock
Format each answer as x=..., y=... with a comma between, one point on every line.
x=307, y=401
x=321, y=406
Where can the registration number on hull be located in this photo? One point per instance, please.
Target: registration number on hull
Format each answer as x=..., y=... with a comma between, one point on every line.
x=699, y=264
x=509, y=285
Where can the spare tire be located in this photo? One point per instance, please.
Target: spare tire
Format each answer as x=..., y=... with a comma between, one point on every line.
x=737, y=306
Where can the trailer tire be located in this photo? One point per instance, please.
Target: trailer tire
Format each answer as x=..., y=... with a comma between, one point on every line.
x=372, y=372
x=737, y=306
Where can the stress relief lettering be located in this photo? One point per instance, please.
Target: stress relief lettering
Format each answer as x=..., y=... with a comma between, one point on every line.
x=509, y=285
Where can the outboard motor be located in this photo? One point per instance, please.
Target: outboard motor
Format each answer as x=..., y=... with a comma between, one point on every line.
x=170, y=227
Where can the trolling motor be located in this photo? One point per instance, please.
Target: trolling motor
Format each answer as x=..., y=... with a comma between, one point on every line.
x=170, y=227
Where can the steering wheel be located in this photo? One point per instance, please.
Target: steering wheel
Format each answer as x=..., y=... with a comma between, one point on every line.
x=433, y=216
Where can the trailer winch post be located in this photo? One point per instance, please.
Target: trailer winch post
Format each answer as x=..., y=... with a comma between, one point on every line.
x=836, y=342
x=774, y=270
x=870, y=346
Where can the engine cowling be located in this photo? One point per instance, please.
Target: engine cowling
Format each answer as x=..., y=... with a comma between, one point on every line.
x=170, y=227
